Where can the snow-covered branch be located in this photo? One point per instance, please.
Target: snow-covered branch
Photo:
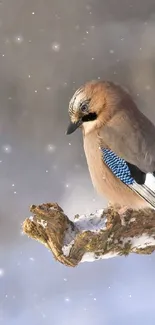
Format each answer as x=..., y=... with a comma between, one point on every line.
x=100, y=235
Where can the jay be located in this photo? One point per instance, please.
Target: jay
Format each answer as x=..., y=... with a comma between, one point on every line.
x=119, y=143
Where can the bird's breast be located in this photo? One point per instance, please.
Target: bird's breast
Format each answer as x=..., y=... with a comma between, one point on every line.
x=104, y=181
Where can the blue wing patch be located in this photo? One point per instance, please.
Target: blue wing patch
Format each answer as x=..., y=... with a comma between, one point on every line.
x=118, y=166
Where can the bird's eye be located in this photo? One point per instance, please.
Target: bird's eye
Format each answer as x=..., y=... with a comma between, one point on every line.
x=84, y=107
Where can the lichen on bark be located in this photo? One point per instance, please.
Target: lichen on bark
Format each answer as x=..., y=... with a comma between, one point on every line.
x=102, y=234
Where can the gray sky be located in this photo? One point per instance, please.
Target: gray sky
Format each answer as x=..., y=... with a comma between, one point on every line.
x=47, y=50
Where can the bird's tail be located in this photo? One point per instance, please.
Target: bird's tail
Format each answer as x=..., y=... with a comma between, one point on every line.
x=147, y=190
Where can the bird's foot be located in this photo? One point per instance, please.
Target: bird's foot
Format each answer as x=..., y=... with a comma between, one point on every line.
x=122, y=213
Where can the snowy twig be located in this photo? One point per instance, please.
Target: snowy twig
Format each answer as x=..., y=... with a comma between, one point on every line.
x=103, y=234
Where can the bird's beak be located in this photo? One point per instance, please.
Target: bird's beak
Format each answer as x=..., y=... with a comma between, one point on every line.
x=73, y=126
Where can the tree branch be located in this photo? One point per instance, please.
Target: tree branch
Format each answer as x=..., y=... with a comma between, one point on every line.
x=103, y=234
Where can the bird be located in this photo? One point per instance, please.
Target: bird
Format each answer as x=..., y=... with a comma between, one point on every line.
x=118, y=141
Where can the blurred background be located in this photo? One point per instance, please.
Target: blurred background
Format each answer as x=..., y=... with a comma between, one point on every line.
x=48, y=48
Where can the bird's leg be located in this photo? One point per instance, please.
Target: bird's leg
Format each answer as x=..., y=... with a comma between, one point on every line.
x=122, y=213
x=123, y=210
x=120, y=209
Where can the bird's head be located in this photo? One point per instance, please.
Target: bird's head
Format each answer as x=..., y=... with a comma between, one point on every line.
x=89, y=108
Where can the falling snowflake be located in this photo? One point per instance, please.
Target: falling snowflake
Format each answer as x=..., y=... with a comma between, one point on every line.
x=88, y=7
x=7, y=41
x=65, y=84
x=111, y=51
x=43, y=315
x=22, y=233
x=18, y=39
x=77, y=27
x=67, y=299
x=57, y=17
x=7, y=148
x=1, y=273
x=55, y=47
x=50, y=148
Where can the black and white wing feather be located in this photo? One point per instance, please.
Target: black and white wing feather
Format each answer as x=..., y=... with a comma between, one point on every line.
x=141, y=183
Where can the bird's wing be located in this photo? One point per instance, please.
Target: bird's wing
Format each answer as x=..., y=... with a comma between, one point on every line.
x=132, y=137
x=141, y=183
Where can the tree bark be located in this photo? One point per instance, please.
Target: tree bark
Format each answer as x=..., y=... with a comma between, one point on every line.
x=103, y=234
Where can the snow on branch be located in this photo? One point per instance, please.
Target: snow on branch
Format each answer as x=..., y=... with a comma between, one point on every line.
x=100, y=235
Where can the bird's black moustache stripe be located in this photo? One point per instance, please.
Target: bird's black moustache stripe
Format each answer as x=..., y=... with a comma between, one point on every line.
x=89, y=117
